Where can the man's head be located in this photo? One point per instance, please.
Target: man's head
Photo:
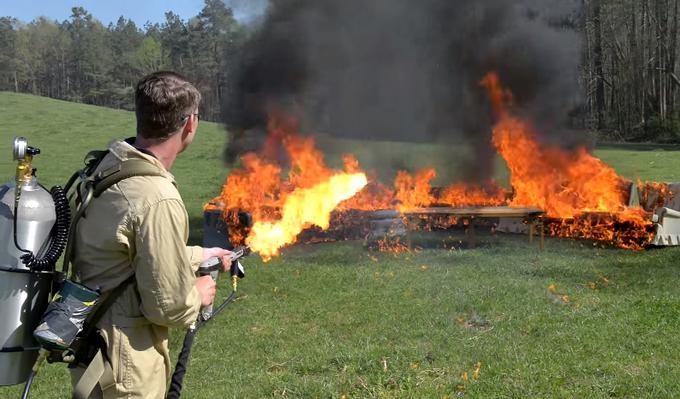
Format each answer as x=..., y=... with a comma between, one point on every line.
x=166, y=104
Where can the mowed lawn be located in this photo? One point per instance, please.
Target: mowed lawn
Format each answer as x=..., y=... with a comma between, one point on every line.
x=334, y=320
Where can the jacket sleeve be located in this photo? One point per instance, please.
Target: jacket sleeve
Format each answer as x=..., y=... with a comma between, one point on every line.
x=195, y=254
x=165, y=278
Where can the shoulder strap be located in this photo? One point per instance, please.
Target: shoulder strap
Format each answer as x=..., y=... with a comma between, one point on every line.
x=105, y=303
x=91, y=161
x=97, y=184
x=127, y=169
x=99, y=370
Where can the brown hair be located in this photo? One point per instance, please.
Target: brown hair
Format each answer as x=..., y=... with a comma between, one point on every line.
x=163, y=101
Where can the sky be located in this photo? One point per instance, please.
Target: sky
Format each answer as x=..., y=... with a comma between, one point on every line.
x=108, y=11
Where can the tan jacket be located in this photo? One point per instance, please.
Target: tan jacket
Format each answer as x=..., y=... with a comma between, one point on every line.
x=139, y=226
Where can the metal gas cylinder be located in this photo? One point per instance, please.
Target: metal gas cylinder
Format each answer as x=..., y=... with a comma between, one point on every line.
x=24, y=294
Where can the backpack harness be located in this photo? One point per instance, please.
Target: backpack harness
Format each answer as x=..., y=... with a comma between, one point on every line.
x=88, y=346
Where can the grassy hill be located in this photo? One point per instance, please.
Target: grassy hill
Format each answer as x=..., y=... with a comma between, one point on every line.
x=333, y=320
x=66, y=131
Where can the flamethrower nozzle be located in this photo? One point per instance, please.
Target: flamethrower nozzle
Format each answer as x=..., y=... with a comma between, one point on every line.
x=236, y=270
x=212, y=266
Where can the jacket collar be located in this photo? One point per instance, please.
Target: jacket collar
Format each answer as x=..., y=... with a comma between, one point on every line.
x=124, y=151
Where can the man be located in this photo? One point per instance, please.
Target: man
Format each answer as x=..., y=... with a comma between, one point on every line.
x=139, y=227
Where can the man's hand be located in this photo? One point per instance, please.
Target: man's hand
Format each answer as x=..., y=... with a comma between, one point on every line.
x=223, y=254
x=207, y=288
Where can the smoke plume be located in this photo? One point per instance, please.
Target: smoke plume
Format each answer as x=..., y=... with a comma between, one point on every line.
x=407, y=70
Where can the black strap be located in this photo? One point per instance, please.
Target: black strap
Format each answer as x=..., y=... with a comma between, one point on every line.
x=106, y=302
x=90, y=339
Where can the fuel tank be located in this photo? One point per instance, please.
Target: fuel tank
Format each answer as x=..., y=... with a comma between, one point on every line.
x=24, y=294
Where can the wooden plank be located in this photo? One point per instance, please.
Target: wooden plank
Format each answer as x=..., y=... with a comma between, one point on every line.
x=482, y=212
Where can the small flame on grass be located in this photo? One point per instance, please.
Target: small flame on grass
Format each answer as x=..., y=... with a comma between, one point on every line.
x=478, y=369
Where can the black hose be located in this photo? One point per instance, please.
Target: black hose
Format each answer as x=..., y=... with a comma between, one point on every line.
x=183, y=360
x=220, y=308
x=29, y=382
x=17, y=198
x=181, y=367
x=60, y=234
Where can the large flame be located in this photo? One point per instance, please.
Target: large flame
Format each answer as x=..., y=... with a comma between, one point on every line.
x=572, y=186
x=303, y=208
x=280, y=207
x=563, y=183
x=582, y=196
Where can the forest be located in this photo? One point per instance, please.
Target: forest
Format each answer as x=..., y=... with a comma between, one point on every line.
x=630, y=68
x=629, y=77
x=82, y=60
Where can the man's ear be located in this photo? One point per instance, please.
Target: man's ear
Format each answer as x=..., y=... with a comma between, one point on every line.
x=190, y=126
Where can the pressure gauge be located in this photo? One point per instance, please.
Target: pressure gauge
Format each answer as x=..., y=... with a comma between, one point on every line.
x=20, y=147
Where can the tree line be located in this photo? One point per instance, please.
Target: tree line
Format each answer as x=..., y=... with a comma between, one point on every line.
x=82, y=60
x=629, y=69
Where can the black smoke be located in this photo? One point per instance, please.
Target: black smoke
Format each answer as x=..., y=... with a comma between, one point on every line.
x=407, y=70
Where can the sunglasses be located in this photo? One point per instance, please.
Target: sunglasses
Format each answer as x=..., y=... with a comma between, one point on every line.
x=198, y=116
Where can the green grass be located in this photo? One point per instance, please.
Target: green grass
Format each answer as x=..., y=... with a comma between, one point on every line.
x=643, y=161
x=332, y=319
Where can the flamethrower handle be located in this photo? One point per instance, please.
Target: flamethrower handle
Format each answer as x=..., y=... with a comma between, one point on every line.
x=212, y=268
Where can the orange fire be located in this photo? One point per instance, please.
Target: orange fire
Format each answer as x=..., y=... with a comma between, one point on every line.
x=282, y=207
x=566, y=184
x=414, y=191
x=563, y=183
x=582, y=196
x=462, y=194
x=302, y=208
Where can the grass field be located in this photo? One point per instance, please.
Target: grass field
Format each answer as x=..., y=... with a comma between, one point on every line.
x=334, y=320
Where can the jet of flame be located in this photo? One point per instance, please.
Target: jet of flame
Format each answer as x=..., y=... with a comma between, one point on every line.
x=302, y=208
